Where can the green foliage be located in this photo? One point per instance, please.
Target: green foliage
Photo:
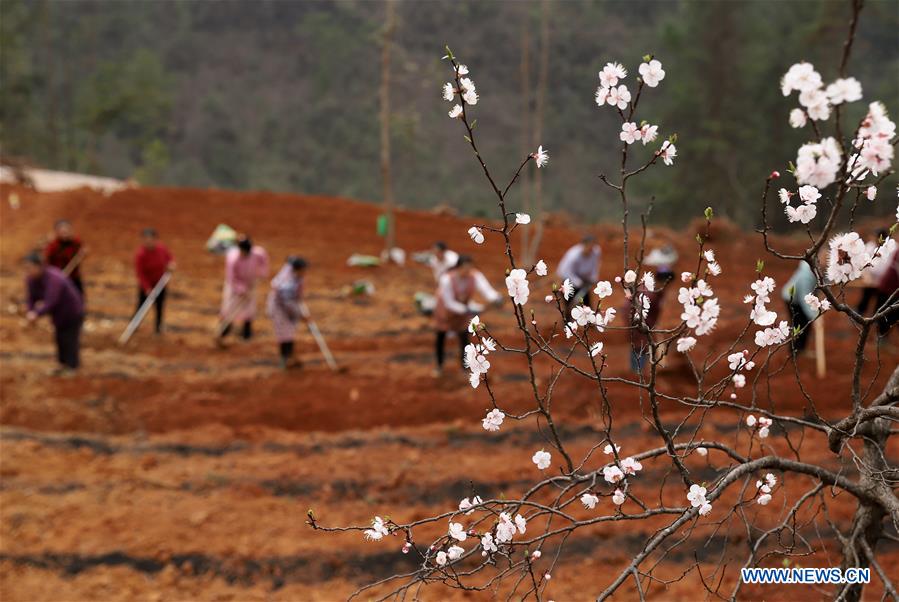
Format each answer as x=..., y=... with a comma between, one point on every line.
x=283, y=95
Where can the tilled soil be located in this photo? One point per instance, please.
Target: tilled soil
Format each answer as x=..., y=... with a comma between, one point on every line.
x=171, y=469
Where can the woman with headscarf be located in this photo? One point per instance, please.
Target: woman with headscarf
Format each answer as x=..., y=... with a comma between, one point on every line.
x=245, y=264
x=455, y=290
x=284, y=306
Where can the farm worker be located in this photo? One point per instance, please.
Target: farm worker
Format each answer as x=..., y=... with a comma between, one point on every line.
x=60, y=251
x=454, y=310
x=580, y=265
x=245, y=264
x=655, y=298
x=284, y=308
x=151, y=261
x=442, y=259
x=888, y=295
x=51, y=292
x=872, y=274
x=800, y=284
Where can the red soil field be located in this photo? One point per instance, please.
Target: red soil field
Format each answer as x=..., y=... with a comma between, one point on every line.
x=171, y=469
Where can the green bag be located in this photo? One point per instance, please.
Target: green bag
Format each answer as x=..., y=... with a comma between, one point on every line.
x=383, y=223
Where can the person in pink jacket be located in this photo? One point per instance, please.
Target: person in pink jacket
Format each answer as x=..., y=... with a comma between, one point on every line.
x=245, y=265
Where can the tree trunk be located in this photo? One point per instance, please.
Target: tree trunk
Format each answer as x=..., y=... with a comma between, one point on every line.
x=542, y=78
x=384, y=94
x=526, y=116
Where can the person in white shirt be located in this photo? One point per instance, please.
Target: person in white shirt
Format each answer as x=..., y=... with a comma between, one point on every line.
x=442, y=259
x=580, y=264
x=455, y=290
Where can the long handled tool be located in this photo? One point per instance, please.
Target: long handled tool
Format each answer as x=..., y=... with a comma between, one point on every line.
x=228, y=318
x=319, y=339
x=145, y=308
x=820, y=348
x=74, y=262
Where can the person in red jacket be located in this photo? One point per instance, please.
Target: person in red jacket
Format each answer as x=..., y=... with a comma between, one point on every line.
x=60, y=252
x=151, y=261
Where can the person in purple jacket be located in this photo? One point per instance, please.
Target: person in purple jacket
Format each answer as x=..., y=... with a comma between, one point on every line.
x=51, y=292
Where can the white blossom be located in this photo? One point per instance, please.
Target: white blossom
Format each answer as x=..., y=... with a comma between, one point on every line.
x=685, y=344
x=631, y=466
x=457, y=531
x=522, y=218
x=844, y=90
x=652, y=73
x=465, y=505
x=540, y=269
x=612, y=474
x=493, y=420
x=630, y=133
x=567, y=289
x=455, y=112
x=455, y=552
x=802, y=77
x=619, y=97
x=618, y=497
x=797, y=118
x=378, y=530
x=648, y=133
x=696, y=495
x=517, y=285
x=541, y=157
x=542, y=459
x=668, y=152
x=476, y=235
x=603, y=289
x=611, y=73
x=589, y=501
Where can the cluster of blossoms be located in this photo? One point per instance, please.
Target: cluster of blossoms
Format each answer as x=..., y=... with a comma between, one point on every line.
x=517, y=285
x=615, y=472
x=762, y=316
x=813, y=96
x=378, y=530
x=774, y=335
x=466, y=92
x=476, y=354
x=764, y=489
x=819, y=305
x=466, y=504
x=503, y=533
x=849, y=257
x=875, y=153
x=701, y=310
x=493, y=420
x=817, y=163
x=738, y=362
x=645, y=133
x=807, y=209
x=761, y=424
x=696, y=497
x=611, y=93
